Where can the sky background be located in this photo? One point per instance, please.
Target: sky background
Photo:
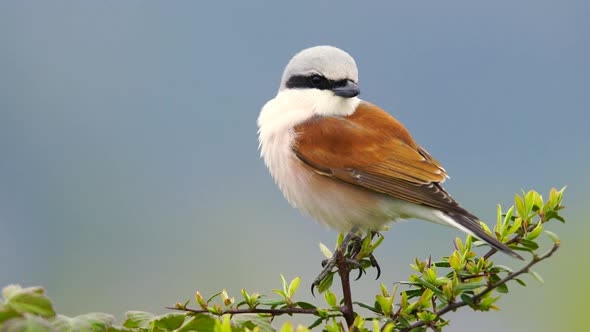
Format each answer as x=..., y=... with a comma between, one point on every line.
x=129, y=170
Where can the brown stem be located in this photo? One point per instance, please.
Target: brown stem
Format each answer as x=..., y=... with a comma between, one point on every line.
x=344, y=273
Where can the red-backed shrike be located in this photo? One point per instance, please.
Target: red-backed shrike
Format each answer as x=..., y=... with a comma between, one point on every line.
x=344, y=161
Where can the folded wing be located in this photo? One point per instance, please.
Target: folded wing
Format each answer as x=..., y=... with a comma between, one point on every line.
x=372, y=150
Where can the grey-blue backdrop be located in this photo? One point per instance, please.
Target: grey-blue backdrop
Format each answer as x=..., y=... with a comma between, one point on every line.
x=129, y=170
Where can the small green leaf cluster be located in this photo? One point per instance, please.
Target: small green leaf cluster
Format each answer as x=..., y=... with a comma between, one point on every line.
x=251, y=302
x=29, y=309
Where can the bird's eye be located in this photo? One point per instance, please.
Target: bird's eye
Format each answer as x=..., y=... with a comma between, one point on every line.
x=317, y=80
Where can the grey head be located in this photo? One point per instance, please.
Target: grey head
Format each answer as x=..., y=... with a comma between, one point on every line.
x=324, y=68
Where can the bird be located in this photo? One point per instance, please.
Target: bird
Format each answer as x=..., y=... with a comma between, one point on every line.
x=344, y=161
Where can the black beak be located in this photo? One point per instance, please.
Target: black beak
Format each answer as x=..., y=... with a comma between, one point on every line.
x=348, y=90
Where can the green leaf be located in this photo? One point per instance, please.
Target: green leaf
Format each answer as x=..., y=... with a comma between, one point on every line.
x=91, y=322
x=426, y=316
x=553, y=237
x=553, y=198
x=284, y=285
x=487, y=303
x=305, y=305
x=366, y=245
x=326, y=282
x=469, y=286
x=498, y=226
x=27, y=323
x=330, y=298
x=529, y=201
x=459, y=244
x=253, y=320
x=404, y=302
x=199, y=322
x=515, y=227
x=384, y=290
x=560, y=194
x=430, y=286
x=200, y=301
x=537, y=201
x=9, y=291
x=213, y=296
x=293, y=286
x=138, y=319
x=522, y=283
x=272, y=302
x=503, y=288
x=227, y=301
x=449, y=291
x=467, y=299
x=168, y=322
x=366, y=306
x=388, y=327
x=520, y=209
x=500, y=268
x=442, y=264
x=280, y=292
x=507, y=220
x=223, y=325
x=323, y=313
x=117, y=328
x=316, y=323
x=334, y=327
x=419, y=329
x=412, y=293
x=535, y=232
x=28, y=300
x=377, y=243
x=551, y=214
x=537, y=277
x=6, y=313
x=430, y=276
x=384, y=304
x=340, y=239
x=529, y=244
x=468, y=242
x=485, y=227
x=515, y=246
x=287, y=327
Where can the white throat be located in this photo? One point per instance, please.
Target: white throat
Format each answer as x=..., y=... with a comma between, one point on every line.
x=292, y=107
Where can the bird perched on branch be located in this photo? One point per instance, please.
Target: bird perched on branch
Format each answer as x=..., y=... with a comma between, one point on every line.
x=344, y=161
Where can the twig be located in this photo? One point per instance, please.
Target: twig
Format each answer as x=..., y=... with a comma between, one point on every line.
x=455, y=305
x=344, y=273
x=274, y=312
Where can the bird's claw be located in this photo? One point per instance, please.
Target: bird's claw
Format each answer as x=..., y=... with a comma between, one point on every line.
x=348, y=251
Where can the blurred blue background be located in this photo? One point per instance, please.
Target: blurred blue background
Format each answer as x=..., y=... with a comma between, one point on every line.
x=129, y=170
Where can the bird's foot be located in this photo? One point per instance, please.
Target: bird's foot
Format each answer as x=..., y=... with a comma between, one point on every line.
x=354, y=252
